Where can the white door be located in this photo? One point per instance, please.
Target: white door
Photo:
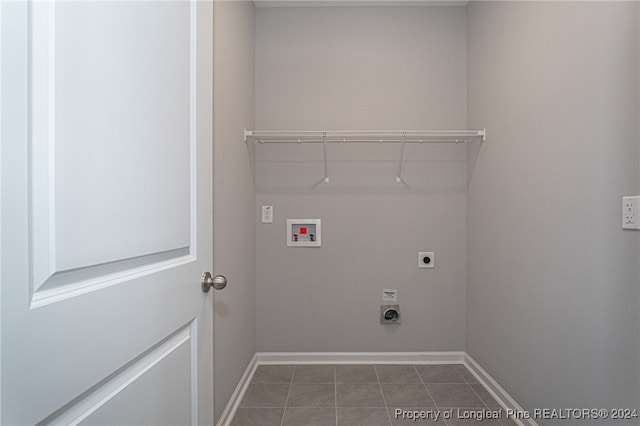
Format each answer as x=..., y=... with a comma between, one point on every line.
x=106, y=130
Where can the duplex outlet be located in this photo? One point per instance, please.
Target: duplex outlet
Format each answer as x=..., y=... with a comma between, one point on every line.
x=426, y=259
x=630, y=218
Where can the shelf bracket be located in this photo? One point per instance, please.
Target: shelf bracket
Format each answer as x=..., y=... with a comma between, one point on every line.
x=400, y=156
x=324, y=152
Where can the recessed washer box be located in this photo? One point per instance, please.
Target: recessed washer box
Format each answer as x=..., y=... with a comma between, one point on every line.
x=303, y=233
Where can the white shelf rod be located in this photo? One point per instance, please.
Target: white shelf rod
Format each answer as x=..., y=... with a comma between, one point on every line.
x=361, y=141
x=382, y=136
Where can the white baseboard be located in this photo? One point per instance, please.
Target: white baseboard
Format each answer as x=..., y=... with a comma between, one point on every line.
x=360, y=357
x=238, y=393
x=497, y=392
x=299, y=358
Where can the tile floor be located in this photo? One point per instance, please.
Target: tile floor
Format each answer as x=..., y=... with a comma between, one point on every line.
x=366, y=395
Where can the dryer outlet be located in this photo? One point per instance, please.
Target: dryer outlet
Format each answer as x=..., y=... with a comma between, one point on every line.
x=389, y=314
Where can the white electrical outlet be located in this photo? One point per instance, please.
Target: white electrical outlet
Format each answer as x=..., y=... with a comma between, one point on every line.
x=630, y=218
x=267, y=214
x=426, y=259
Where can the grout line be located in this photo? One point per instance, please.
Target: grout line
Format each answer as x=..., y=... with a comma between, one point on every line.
x=435, y=404
x=477, y=394
x=293, y=373
x=479, y=397
x=386, y=408
x=466, y=382
x=464, y=376
x=335, y=391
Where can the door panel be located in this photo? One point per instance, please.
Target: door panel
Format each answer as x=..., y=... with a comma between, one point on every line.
x=122, y=91
x=105, y=123
x=113, y=143
x=117, y=399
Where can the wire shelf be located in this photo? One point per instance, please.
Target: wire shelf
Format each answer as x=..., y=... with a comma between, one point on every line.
x=364, y=136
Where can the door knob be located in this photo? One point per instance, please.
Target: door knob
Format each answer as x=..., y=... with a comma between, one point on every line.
x=218, y=282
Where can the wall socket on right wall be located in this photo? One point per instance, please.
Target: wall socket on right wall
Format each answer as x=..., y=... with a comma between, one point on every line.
x=630, y=218
x=426, y=259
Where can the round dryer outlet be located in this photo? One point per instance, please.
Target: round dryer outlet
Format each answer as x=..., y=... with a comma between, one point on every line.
x=389, y=314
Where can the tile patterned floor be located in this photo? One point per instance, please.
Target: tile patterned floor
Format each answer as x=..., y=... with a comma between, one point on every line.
x=366, y=395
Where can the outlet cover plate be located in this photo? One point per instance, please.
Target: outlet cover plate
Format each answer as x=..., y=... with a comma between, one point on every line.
x=630, y=211
x=267, y=214
x=426, y=259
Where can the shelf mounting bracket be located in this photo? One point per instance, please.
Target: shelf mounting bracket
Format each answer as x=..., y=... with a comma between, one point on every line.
x=324, y=152
x=400, y=157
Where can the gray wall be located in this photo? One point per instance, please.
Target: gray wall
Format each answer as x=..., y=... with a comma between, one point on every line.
x=234, y=196
x=552, y=302
x=552, y=279
x=350, y=68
